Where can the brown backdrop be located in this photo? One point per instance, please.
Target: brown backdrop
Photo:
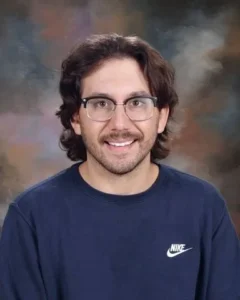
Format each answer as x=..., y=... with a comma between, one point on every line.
x=200, y=38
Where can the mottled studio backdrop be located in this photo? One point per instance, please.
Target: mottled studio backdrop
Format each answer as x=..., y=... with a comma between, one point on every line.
x=200, y=38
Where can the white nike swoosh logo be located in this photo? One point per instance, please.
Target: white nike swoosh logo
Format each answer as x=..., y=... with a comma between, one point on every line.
x=169, y=254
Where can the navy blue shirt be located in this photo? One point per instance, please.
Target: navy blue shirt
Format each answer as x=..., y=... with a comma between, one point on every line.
x=64, y=240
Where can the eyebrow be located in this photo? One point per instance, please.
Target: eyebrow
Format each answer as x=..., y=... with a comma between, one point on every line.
x=133, y=94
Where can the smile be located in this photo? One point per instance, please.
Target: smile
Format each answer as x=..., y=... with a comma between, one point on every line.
x=120, y=144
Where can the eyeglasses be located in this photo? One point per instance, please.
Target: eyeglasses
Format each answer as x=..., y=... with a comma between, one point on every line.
x=101, y=109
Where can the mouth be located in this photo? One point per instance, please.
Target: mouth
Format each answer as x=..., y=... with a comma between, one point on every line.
x=119, y=146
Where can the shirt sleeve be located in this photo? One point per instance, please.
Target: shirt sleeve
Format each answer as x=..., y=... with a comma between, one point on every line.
x=20, y=275
x=224, y=273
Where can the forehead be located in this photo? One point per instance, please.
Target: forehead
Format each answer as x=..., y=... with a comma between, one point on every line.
x=116, y=77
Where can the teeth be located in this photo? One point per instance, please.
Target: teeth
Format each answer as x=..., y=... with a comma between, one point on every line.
x=121, y=144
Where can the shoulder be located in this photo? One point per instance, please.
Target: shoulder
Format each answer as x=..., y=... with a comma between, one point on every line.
x=195, y=191
x=194, y=200
x=185, y=180
x=46, y=192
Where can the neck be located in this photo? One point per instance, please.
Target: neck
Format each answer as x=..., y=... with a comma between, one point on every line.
x=134, y=182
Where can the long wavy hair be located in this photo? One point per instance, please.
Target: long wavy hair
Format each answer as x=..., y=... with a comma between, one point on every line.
x=87, y=57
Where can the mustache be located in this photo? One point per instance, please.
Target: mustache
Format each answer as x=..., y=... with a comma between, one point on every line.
x=115, y=135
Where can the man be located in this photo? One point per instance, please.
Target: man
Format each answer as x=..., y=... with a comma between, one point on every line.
x=118, y=225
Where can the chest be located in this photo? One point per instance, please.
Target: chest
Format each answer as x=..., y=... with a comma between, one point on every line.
x=124, y=255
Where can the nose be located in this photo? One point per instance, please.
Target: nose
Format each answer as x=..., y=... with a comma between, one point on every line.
x=120, y=120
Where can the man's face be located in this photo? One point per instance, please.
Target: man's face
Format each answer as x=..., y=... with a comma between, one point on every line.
x=119, y=79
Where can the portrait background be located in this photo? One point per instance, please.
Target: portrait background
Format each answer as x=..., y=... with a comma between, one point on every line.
x=200, y=38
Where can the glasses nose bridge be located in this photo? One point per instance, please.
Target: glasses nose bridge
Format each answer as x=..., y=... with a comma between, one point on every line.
x=119, y=104
x=114, y=111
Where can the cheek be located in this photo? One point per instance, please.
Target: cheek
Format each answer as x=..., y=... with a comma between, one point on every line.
x=149, y=129
x=91, y=131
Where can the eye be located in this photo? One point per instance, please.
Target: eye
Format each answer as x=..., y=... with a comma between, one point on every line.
x=100, y=103
x=137, y=102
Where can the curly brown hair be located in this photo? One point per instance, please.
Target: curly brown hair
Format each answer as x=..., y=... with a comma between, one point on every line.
x=87, y=57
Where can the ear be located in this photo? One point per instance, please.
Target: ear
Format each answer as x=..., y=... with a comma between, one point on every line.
x=76, y=124
x=163, y=118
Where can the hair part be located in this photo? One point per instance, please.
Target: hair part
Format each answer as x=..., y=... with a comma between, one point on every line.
x=86, y=57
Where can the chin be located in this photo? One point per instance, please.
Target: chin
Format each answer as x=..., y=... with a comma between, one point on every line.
x=120, y=168
x=119, y=171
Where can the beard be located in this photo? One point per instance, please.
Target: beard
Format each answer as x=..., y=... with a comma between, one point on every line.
x=122, y=163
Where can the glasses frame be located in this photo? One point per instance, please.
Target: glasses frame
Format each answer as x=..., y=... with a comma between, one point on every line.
x=84, y=101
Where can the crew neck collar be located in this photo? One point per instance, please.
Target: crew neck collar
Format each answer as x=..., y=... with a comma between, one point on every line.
x=156, y=188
